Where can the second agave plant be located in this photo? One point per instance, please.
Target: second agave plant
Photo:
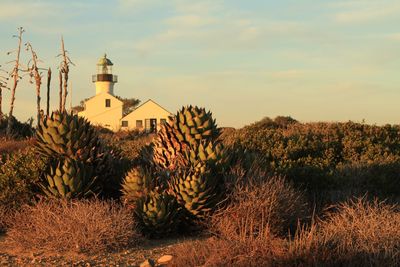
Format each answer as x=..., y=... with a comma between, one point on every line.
x=74, y=153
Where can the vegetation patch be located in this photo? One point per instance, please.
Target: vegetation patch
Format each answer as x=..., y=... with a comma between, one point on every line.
x=19, y=178
x=85, y=226
x=271, y=206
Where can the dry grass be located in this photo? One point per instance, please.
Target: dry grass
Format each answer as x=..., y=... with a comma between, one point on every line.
x=273, y=205
x=357, y=233
x=362, y=231
x=9, y=146
x=246, y=231
x=215, y=252
x=86, y=226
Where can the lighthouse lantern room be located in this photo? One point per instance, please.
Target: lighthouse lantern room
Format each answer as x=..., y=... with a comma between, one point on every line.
x=104, y=79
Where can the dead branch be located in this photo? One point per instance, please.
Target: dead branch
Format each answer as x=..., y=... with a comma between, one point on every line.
x=34, y=73
x=48, y=92
x=64, y=68
x=15, y=76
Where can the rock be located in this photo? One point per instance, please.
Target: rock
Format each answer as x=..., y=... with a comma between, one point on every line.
x=164, y=259
x=148, y=263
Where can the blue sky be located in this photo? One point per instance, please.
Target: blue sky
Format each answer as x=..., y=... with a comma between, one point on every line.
x=243, y=60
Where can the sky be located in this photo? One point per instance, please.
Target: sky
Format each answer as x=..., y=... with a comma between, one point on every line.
x=313, y=60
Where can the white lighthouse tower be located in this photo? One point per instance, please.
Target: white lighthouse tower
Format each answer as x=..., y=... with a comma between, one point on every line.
x=104, y=79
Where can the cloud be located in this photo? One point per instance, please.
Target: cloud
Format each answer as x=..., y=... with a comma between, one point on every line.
x=216, y=33
x=393, y=36
x=12, y=10
x=137, y=3
x=132, y=6
x=288, y=74
x=197, y=7
x=365, y=11
x=190, y=21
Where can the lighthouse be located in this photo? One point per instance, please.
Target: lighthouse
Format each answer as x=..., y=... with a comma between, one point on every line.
x=104, y=79
x=106, y=109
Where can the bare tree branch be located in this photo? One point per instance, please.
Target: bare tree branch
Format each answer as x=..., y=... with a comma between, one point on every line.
x=16, y=77
x=64, y=71
x=48, y=91
x=34, y=73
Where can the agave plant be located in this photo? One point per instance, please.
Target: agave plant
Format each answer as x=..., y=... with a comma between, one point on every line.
x=64, y=136
x=68, y=179
x=190, y=127
x=158, y=213
x=136, y=184
x=198, y=189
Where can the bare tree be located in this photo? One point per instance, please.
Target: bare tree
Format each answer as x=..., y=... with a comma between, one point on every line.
x=3, y=85
x=33, y=70
x=48, y=92
x=60, y=78
x=64, y=69
x=14, y=74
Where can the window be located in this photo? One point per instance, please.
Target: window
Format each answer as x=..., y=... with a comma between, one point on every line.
x=124, y=123
x=150, y=125
x=163, y=121
x=108, y=103
x=139, y=124
x=147, y=124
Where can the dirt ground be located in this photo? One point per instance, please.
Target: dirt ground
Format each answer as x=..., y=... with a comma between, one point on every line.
x=151, y=249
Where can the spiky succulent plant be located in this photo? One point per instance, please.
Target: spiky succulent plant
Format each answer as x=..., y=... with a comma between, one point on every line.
x=188, y=128
x=211, y=153
x=158, y=213
x=63, y=134
x=68, y=178
x=197, y=188
x=137, y=183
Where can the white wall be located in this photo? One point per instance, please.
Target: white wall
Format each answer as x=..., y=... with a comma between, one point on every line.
x=107, y=87
x=98, y=114
x=148, y=110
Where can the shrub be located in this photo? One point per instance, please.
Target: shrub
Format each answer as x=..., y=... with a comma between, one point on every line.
x=3, y=219
x=76, y=226
x=11, y=146
x=270, y=205
x=311, y=153
x=19, y=176
x=356, y=233
x=215, y=252
x=363, y=232
x=19, y=129
x=129, y=143
x=377, y=178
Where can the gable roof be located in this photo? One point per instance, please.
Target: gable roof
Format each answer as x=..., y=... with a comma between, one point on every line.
x=141, y=105
x=108, y=94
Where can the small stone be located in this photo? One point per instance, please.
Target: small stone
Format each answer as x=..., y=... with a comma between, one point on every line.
x=164, y=259
x=148, y=263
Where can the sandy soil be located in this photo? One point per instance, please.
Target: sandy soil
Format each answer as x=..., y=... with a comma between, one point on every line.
x=151, y=249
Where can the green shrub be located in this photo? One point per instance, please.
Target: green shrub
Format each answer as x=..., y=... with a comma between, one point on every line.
x=19, y=176
x=313, y=154
x=19, y=129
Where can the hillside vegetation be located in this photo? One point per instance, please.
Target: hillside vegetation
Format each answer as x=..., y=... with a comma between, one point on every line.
x=349, y=157
x=274, y=193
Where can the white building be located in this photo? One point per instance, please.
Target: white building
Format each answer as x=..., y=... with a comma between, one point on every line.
x=106, y=110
